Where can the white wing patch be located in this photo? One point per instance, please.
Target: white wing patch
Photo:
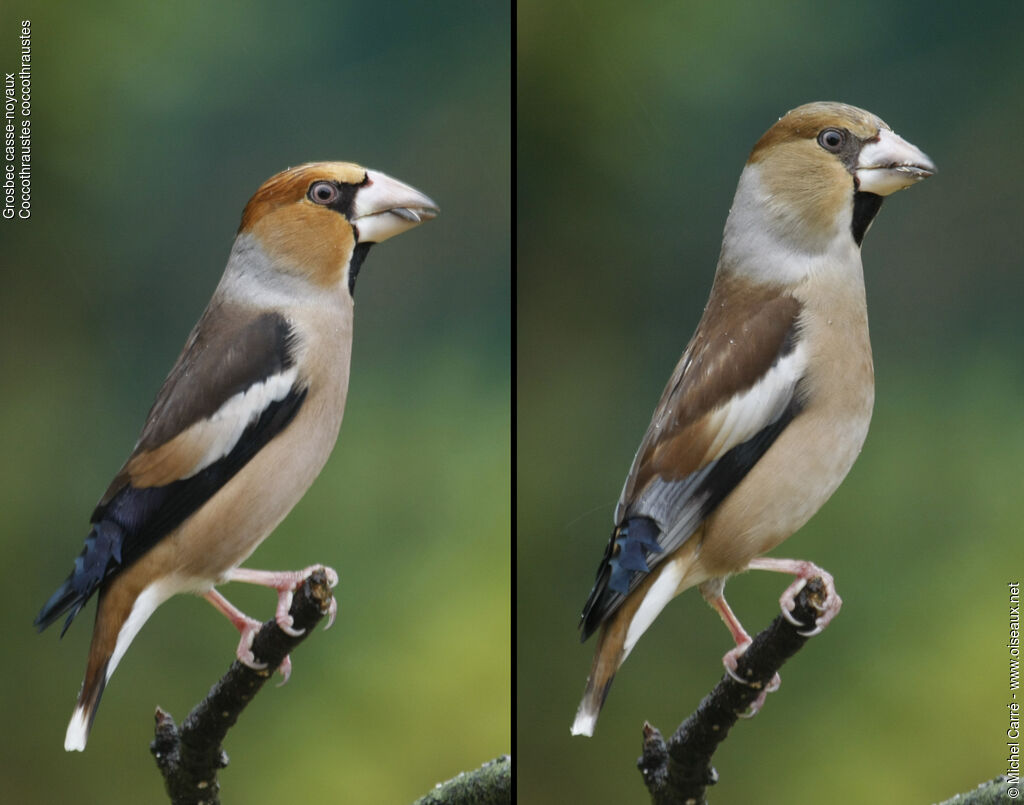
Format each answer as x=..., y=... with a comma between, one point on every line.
x=744, y=415
x=222, y=431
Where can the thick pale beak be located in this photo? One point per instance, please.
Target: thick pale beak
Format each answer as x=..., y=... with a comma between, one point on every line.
x=890, y=163
x=385, y=207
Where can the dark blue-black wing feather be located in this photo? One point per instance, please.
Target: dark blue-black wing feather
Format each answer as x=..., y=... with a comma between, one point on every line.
x=133, y=520
x=635, y=540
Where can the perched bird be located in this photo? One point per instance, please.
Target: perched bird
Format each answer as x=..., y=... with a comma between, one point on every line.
x=244, y=421
x=769, y=405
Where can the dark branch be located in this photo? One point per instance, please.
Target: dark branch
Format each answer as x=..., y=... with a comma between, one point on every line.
x=491, y=784
x=190, y=756
x=680, y=771
x=994, y=792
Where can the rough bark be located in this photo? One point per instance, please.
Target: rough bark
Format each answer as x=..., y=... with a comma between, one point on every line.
x=190, y=756
x=491, y=784
x=679, y=771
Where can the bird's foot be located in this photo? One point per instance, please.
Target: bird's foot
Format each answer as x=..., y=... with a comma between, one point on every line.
x=286, y=582
x=247, y=658
x=730, y=661
x=247, y=628
x=804, y=572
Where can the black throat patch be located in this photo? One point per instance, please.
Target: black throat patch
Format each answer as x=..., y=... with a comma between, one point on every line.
x=358, y=255
x=865, y=208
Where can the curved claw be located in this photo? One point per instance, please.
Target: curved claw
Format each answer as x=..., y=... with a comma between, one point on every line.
x=244, y=651
x=755, y=706
x=248, y=659
x=833, y=603
x=788, y=615
x=332, y=610
x=818, y=628
x=287, y=625
x=286, y=670
x=282, y=616
x=730, y=661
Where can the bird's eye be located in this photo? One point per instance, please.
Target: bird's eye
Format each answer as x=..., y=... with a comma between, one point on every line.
x=323, y=192
x=832, y=139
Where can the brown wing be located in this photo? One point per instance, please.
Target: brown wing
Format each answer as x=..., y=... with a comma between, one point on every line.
x=732, y=393
x=231, y=391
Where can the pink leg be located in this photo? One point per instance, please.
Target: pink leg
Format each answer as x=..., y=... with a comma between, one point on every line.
x=247, y=627
x=803, y=572
x=714, y=594
x=286, y=582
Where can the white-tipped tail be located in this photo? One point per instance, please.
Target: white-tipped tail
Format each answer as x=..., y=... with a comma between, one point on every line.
x=103, y=658
x=78, y=731
x=584, y=723
x=621, y=633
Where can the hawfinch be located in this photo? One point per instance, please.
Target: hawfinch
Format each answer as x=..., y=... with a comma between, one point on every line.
x=244, y=421
x=769, y=405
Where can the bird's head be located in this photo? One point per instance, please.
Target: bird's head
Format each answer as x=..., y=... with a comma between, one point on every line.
x=820, y=173
x=319, y=219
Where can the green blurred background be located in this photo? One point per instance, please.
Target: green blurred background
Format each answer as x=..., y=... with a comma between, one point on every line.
x=634, y=121
x=153, y=124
